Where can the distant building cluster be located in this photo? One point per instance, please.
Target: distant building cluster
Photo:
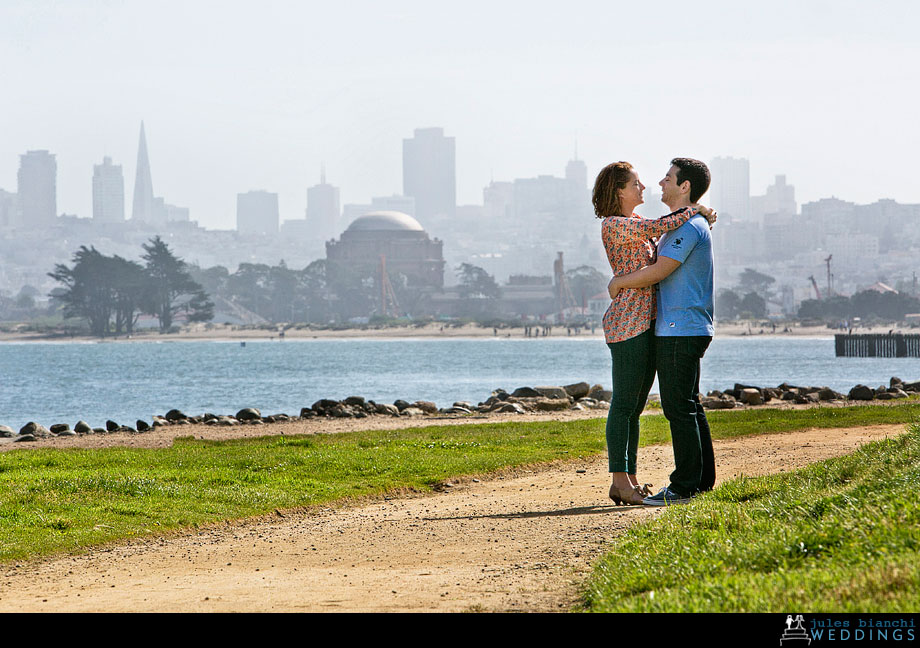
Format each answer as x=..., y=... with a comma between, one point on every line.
x=522, y=227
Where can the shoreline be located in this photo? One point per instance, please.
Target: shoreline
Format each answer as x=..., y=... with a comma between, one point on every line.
x=227, y=333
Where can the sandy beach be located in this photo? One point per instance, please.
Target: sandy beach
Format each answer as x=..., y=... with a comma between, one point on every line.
x=200, y=332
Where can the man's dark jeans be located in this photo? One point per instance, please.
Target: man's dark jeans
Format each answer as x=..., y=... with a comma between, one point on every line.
x=678, y=364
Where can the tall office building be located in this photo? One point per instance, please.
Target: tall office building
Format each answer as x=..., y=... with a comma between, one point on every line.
x=144, y=209
x=108, y=192
x=257, y=212
x=323, y=209
x=37, y=189
x=9, y=210
x=730, y=193
x=429, y=173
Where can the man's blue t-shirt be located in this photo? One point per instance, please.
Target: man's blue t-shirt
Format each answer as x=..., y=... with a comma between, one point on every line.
x=685, y=296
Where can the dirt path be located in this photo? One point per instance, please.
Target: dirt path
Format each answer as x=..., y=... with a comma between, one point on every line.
x=522, y=542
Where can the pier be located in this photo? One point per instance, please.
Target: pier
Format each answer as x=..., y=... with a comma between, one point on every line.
x=892, y=345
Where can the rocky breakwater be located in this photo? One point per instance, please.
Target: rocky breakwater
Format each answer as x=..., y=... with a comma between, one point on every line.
x=741, y=395
x=577, y=396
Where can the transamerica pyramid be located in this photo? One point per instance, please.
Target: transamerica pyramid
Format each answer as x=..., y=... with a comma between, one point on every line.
x=143, y=185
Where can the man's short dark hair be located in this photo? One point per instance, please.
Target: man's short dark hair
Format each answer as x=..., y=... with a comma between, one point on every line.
x=694, y=171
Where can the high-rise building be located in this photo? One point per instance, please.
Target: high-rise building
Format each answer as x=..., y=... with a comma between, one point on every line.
x=108, y=192
x=144, y=209
x=429, y=173
x=9, y=210
x=37, y=189
x=323, y=209
x=257, y=213
x=731, y=187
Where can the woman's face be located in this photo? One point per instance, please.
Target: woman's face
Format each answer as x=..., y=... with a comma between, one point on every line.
x=631, y=194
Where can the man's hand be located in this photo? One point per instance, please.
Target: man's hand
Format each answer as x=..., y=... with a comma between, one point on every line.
x=612, y=288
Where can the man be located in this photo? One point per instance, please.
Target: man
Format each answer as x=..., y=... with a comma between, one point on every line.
x=683, y=330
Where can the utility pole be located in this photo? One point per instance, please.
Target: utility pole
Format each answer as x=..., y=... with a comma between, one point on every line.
x=830, y=289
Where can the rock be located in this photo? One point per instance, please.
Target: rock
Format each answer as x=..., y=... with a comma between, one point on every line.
x=577, y=390
x=885, y=396
x=577, y=407
x=175, y=415
x=715, y=393
x=826, y=394
x=751, y=396
x=911, y=386
x=385, y=408
x=426, y=406
x=111, y=425
x=898, y=393
x=306, y=412
x=789, y=395
x=599, y=393
x=411, y=411
x=550, y=404
x=400, y=404
x=500, y=394
x=67, y=433
x=82, y=427
x=526, y=392
x=511, y=408
x=468, y=405
x=861, y=392
x=25, y=437
x=142, y=426
x=227, y=421
x=456, y=410
x=553, y=392
x=7, y=432
x=99, y=430
x=57, y=428
x=718, y=403
x=248, y=414
x=895, y=381
x=34, y=429
x=355, y=401
x=159, y=421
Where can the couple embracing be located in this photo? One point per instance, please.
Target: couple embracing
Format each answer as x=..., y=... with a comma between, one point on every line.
x=659, y=320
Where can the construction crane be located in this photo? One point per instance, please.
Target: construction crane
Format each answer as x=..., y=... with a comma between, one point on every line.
x=815, y=284
x=389, y=307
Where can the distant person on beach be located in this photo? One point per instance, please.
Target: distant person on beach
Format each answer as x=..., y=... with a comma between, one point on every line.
x=628, y=321
x=683, y=330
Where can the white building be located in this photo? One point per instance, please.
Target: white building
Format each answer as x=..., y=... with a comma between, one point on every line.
x=108, y=192
x=257, y=212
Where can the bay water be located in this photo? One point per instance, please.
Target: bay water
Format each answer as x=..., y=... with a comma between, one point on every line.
x=63, y=382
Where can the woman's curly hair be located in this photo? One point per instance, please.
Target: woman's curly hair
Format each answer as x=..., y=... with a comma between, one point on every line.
x=606, y=196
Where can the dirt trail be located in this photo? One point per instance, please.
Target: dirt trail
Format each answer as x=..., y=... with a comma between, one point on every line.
x=521, y=542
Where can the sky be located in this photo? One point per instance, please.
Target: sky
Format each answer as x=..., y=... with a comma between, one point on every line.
x=239, y=95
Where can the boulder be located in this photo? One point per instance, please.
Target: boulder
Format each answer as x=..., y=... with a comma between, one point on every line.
x=861, y=392
x=885, y=396
x=36, y=430
x=111, y=426
x=67, y=433
x=227, y=421
x=57, y=428
x=7, y=432
x=387, y=409
x=599, y=393
x=25, y=437
x=577, y=390
x=895, y=381
x=526, y=392
x=511, y=408
x=553, y=392
x=82, y=427
x=911, y=386
x=175, y=415
x=400, y=404
x=500, y=394
x=751, y=396
x=160, y=421
x=411, y=411
x=143, y=426
x=306, y=412
x=248, y=414
x=718, y=403
x=550, y=404
x=826, y=394
x=358, y=401
x=426, y=406
x=456, y=410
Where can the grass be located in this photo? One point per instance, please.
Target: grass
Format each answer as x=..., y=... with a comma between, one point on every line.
x=841, y=535
x=54, y=501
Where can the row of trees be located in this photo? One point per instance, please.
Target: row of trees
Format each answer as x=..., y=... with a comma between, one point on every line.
x=868, y=304
x=111, y=293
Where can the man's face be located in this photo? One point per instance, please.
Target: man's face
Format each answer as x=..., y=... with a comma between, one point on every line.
x=670, y=190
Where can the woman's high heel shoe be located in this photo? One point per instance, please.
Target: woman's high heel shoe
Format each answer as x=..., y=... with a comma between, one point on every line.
x=626, y=495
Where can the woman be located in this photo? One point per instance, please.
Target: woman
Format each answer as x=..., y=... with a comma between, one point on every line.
x=628, y=322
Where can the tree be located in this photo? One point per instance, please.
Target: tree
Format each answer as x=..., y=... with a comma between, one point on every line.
x=88, y=288
x=585, y=282
x=171, y=288
x=476, y=283
x=753, y=305
x=727, y=304
x=129, y=287
x=757, y=282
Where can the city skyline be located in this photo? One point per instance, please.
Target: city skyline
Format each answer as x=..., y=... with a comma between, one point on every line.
x=814, y=91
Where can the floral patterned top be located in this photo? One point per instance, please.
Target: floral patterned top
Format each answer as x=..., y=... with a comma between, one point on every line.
x=626, y=240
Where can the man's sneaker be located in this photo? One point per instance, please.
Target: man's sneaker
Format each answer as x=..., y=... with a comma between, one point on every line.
x=665, y=497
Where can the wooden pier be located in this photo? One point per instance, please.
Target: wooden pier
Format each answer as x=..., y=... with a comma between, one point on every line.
x=893, y=345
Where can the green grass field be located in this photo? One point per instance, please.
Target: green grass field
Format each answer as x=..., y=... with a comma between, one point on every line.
x=54, y=501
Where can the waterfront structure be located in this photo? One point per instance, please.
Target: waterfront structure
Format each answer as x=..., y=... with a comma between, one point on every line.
x=322, y=210
x=108, y=192
x=257, y=212
x=397, y=237
x=429, y=173
x=144, y=208
x=731, y=187
x=37, y=189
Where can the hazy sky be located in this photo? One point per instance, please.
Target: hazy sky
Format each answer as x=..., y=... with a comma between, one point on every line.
x=258, y=95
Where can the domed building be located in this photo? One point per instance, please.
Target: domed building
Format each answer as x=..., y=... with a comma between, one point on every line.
x=395, y=237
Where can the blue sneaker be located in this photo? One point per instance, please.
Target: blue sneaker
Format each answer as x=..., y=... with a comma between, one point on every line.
x=666, y=497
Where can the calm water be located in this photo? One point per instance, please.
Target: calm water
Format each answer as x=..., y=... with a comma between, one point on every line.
x=64, y=382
